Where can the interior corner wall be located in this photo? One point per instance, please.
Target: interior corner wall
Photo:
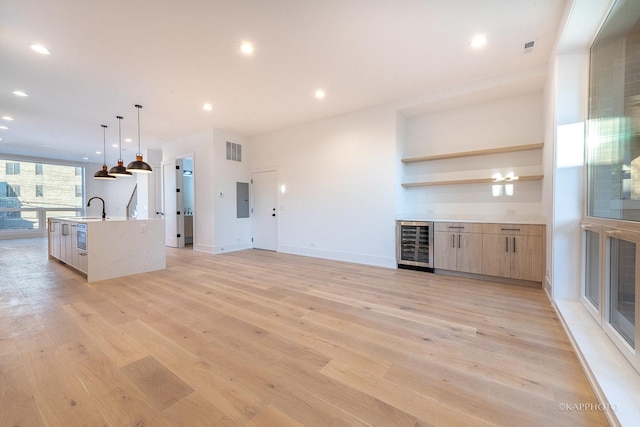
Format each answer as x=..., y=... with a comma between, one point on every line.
x=231, y=233
x=568, y=182
x=201, y=146
x=401, y=141
x=548, y=155
x=340, y=186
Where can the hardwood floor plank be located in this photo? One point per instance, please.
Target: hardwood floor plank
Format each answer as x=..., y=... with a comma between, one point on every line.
x=271, y=416
x=160, y=385
x=263, y=338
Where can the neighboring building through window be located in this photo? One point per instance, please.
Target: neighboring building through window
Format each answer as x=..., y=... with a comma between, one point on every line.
x=30, y=192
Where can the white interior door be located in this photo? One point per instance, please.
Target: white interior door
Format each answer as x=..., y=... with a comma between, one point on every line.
x=172, y=203
x=264, y=202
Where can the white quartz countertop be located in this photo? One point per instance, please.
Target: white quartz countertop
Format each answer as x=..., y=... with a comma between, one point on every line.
x=497, y=220
x=84, y=219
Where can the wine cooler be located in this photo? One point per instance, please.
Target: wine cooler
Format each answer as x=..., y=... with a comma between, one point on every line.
x=414, y=243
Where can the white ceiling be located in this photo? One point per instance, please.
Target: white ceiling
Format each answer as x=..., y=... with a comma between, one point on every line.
x=172, y=56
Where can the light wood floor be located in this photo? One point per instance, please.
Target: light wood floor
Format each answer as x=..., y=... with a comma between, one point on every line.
x=258, y=338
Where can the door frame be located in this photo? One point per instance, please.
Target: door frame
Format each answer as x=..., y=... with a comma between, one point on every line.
x=178, y=161
x=277, y=202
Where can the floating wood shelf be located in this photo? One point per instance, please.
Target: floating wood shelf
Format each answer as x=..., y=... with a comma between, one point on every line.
x=471, y=181
x=499, y=150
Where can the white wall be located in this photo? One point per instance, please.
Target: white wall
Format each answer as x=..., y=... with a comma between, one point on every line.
x=115, y=192
x=231, y=233
x=568, y=184
x=505, y=122
x=340, y=186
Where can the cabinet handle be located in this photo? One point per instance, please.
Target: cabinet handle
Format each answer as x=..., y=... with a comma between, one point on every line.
x=459, y=240
x=510, y=229
x=506, y=244
x=453, y=240
x=457, y=227
x=514, y=245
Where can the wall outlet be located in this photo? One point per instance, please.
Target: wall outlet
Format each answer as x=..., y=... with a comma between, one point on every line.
x=511, y=212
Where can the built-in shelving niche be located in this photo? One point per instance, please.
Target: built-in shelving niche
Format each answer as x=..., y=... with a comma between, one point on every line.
x=495, y=159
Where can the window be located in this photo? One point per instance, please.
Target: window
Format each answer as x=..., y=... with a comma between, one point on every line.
x=12, y=191
x=592, y=276
x=13, y=168
x=25, y=212
x=610, y=284
x=622, y=310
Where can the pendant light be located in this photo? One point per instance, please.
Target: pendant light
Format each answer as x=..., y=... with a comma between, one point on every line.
x=138, y=165
x=104, y=173
x=119, y=170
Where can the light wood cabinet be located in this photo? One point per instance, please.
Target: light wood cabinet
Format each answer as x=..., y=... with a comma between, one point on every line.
x=458, y=246
x=514, y=251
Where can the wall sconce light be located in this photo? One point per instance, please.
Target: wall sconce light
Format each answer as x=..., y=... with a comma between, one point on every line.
x=496, y=189
x=508, y=189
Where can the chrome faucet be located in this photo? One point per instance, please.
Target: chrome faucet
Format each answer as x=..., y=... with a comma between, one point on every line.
x=104, y=215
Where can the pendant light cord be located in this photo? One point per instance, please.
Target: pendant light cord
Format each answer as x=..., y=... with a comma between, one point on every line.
x=119, y=136
x=139, y=107
x=104, y=144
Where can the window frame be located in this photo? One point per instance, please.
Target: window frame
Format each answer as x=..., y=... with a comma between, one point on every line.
x=629, y=234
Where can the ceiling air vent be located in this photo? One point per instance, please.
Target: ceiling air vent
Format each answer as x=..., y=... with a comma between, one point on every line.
x=528, y=46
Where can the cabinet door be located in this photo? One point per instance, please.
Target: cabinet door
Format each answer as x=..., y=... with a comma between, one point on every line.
x=496, y=259
x=526, y=258
x=470, y=249
x=54, y=238
x=83, y=262
x=444, y=254
x=73, y=256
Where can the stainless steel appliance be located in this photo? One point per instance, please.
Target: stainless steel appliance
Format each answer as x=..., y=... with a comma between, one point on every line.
x=414, y=244
x=82, y=237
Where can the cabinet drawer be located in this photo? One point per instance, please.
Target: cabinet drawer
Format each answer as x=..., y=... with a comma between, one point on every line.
x=458, y=227
x=514, y=229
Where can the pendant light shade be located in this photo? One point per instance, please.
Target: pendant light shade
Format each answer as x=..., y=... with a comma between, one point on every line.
x=104, y=173
x=119, y=170
x=139, y=166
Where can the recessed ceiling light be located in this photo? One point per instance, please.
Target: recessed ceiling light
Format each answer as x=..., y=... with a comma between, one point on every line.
x=320, y=94
x=246, y=48
x=98, y=152
x=114, y=145
x=19, y=93
x=8, y=118
x=127, y=140
x=40, y=49
x=85, y=158
x=4, y=127
x=207, y=107
x=478, y=41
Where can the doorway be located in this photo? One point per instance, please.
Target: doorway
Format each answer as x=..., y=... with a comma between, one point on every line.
x=178, y=201
x=264, y=202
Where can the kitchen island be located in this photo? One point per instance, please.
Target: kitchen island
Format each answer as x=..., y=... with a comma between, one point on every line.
x=102, y=249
